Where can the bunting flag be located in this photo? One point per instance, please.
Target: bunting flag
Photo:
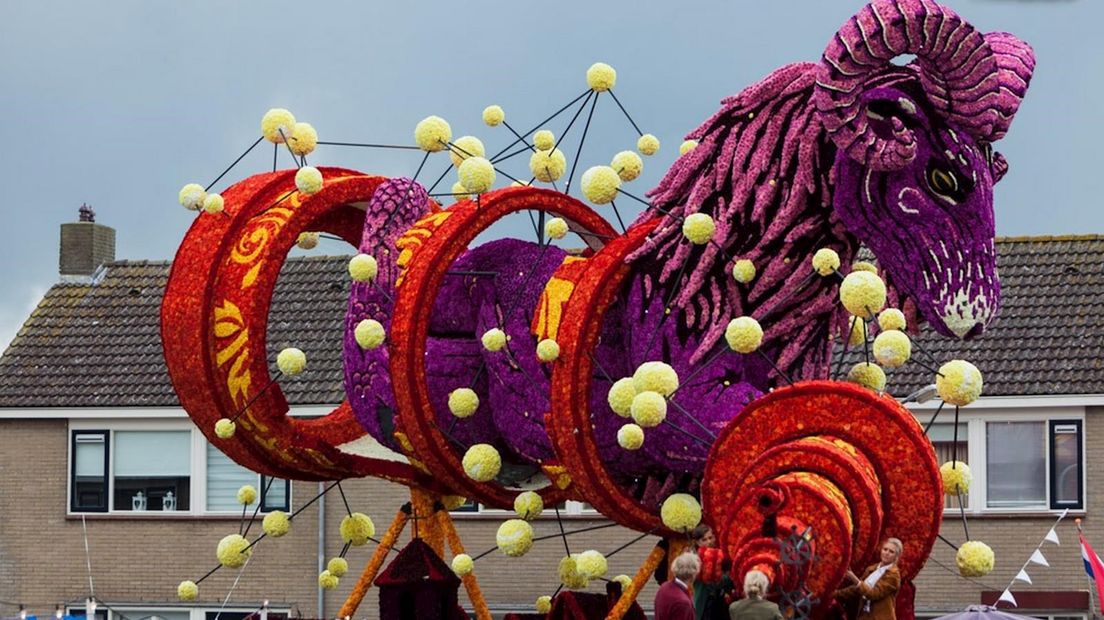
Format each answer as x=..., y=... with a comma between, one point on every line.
x=1052, y=536
x=1038, y=558
x=1007, y=596
x=1093, y=567
x=1023, y=576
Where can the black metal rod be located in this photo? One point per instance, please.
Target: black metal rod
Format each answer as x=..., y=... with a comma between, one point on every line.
x=372, y=146
x=348, y=510
x=279, y=373
x=618, y=102
x=582, y=140
x=934, y=415
x=540, y=124
x=240, y=157
x=694, y=419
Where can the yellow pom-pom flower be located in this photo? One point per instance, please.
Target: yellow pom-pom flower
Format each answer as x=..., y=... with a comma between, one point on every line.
x=648, y=409
x=224, y=428
x=548, y=350
x=247, y=494
x=308, y=180
x=698, y=228
x=647, y=144
x=432, y=134
x=975, y=559
x=826, y=261
x=543, y=604
x=956, y=477
x=556, y=228
x=369, y=334
x=357, y=528
x=863, y=265
x=744, y=334
x=338, y=566
x=363, y=268
x=187, y=591
x=514, y=537
x=544, y=140
x=892, y=319
x=465, y=147
x=856, y=335
x=655, y=377
x=601, y=77
x=462, y=564
x=863, y=294
x=482, y=462
x=233, y=551
x=868, y=375
x=892, y=348
x=743, y=271
x=628, y=165
x=493, y=339
x=303, y=139
x=277, y=124
x=624, y=580
x=547, y=166
x=630, y=437
x=687, y=146
x=528, y=505
x=463, y=402
x=276, y=524
x=569, y=574
x=307, y=240
x=681, y=512
x=958, y=383
x=621, y=395
x=291, y=361
x=592, y=564
x=600, y=184
x=191, y=196
x=213, y=203
x=477, y=175
x=493, y=115
x=458, y=192
x=327, y=580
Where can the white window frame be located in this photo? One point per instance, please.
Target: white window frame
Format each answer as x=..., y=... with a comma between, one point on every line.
x=572, y=509
x=118, y=611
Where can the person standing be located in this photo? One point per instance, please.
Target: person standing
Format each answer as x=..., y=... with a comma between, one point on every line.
x=713, y=583
x=877, y=590
x=753, y=606
x=672, y=601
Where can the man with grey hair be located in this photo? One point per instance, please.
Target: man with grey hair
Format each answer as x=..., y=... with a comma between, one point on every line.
x=672, y=601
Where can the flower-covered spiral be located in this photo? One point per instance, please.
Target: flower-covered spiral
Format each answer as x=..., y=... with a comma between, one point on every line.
x=338, y=566
x=458, y=192
x=687, y=146
x=307, y=240
x=698, y=228
x=892, y=348
x=628, y=165
x=647, y=144
x=327, y=580
x=187, y=591
x=863, y=294
x=303, y=139
x=213, y=203
x=482, y=462
x=233, y=551
x=544, y=140
x=591, y=564
x=477, y=174
x=681, y=512
x=493, y=339
x=548, y=166
x=569, y=574
x=224, y=428
x=548, y=350
x=465, y=147
x=276, y=124
x=601, y=77
x=357, y=528
x=974, y=559
x=655, y=377
x=649, y=409
x=956, y=477
x=276, y=524
x=191, y=196
x=600, y=184
x=528, y=505
x=826, y=261
x=291, y=361
x=958, y=383
x=556, y=228
x=514, y=537
x=432, y=134
x=630, y=437
x=868, y=375
x=892, y=319
x=543, y=604
x=462, y=564
x=369, y=334
x=308, y=180
x=493, y=115
x=743, y=271
x=621, y=395
x=744, y=334
x=363, y=268
x=856, y=334
x=463, y=402
x=247, y=494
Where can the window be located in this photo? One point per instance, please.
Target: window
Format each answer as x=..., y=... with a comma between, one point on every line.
x=89, y=471
x=1065, y=465
x=567, y=508
x=943, y=440
x=225, y=477
x=1034, y=464
x=152, y=470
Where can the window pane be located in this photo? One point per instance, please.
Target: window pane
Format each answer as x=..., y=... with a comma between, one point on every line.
x=150, y=614
x=275, y=492
x=1016, y=467
x=942, y=437
x=89, y=455
x=89, y=480
x=1066, y=450
x=153, y=453
x=224, y=478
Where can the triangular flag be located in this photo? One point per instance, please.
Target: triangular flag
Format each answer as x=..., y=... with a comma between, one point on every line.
x=1007, y=597
x=1038, y=558
x=1052, y=536
x=1022, y=576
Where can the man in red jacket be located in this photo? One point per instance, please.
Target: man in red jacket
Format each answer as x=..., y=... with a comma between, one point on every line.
x=672, y=601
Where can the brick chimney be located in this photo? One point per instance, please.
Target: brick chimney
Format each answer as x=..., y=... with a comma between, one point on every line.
x=85, y=247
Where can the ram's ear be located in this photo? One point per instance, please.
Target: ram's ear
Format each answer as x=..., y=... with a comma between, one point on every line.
x=890, y=111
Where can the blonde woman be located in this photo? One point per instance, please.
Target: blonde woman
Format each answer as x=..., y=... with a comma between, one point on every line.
x=753, y=606
x=877, y=590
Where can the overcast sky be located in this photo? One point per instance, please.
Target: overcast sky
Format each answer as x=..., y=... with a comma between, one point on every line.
x=118, y=104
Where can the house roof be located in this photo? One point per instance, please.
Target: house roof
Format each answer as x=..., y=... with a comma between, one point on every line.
x=98, y=345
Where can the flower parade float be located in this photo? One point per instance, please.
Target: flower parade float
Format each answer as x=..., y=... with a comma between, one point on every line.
x=669, y=372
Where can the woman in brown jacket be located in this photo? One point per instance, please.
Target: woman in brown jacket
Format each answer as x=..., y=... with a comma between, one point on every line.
x=877, y=590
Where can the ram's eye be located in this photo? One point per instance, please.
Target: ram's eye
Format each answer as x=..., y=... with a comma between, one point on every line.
x=943, y=181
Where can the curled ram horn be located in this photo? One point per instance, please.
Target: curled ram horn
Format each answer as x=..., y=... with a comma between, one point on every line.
x=1015, y=63
x=958, y=71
